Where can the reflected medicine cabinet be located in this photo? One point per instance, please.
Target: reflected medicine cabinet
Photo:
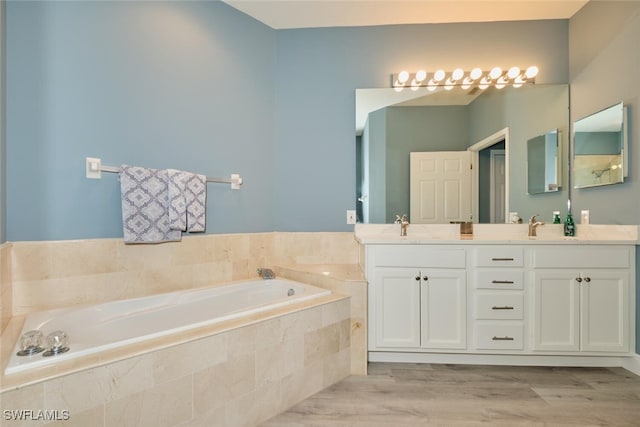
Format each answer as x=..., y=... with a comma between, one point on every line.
x=600, y=148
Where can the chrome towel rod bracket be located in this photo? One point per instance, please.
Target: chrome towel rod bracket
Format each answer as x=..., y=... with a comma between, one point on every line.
x=94, y=169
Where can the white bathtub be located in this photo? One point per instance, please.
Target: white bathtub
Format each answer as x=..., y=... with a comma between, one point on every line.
x=105, y=326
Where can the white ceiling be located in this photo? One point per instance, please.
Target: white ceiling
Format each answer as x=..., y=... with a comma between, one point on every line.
x=283, y=14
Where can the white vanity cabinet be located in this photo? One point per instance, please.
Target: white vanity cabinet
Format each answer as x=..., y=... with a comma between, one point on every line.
x=581, y=298
x=525, y=302
x=417, y=297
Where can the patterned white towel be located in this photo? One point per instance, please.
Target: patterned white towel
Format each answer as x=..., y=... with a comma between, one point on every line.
x=145, y=205
x=177, y=200
x=187, y=201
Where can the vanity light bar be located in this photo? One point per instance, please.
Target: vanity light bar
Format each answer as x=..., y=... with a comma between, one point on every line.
x=496, y=77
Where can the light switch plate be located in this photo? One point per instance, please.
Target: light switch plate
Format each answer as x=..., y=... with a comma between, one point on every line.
x=584, y=217
x=351, y=217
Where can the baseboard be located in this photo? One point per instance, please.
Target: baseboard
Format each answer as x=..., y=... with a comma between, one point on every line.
x=632, y=364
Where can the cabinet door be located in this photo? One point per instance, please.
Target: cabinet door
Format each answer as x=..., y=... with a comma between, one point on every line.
x=397, y=305
x=605, y=314
x=556, y=311
x=444, y=309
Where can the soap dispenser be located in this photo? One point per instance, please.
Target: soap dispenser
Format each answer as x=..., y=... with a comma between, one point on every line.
x=569, y=226
x=556, y=217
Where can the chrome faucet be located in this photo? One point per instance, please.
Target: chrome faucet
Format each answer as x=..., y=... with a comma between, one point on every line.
x=404, y=223
x=266, y=273
x=533, y=225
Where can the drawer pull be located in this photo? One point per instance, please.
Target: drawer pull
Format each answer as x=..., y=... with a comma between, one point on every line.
x=505, y=307
x=502, y=282
x=502, y=259
x=502, y=338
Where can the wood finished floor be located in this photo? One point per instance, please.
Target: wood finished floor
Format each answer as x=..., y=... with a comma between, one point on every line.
x=402, y=395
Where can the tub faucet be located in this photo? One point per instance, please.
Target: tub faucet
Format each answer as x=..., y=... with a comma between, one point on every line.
x=533, y=225
x=266, y=273
x=404, y=223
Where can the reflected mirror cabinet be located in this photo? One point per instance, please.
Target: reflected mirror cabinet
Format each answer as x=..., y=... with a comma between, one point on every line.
x=600, y=148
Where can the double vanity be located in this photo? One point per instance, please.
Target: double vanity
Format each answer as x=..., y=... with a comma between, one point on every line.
x=500, y=296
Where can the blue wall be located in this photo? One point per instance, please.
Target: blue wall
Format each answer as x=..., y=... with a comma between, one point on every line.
x=187, y=85
x=319, y=70
x=201, y=86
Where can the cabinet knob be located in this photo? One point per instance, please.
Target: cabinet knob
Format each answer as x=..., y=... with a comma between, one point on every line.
x=579, y=279
x=587, y=279
x=425, y=278
x=417, y=278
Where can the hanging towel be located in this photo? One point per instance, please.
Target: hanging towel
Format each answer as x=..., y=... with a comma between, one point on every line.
x=187, y=201
x=196, y=199
x=145, y=205
x=177, y=200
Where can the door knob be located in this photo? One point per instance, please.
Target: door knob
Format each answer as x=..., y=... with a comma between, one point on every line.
x=587, y=279
x=417, y=278
x=425, y=278
x=579, y=279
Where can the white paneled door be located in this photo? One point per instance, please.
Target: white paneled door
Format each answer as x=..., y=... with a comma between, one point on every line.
x=440, y=187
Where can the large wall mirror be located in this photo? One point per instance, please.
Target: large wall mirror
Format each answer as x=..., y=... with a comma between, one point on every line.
x=600, y=142
x=390, y=125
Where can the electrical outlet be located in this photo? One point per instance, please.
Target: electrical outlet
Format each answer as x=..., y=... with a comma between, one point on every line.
x=351, y=217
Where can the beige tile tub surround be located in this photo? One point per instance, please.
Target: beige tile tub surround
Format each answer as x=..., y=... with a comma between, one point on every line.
x=346, y=279
x=57, y=274
x=6, y=298
x=239, y=377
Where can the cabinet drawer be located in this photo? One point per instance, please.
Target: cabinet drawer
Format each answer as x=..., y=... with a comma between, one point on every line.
x=581, y=257
x=499, y=336
x=502, y=278
x=502, y=256
x=418, y=256
x=504, y=305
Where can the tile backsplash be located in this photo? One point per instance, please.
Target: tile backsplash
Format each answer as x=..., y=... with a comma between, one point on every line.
x=50, y=274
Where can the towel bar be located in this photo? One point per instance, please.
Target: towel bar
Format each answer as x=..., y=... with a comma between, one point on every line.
x=95, y=169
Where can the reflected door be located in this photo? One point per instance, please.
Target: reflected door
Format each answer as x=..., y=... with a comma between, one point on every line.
x=440, y=187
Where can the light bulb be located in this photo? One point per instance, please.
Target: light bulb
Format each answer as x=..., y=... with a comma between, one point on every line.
x=502, y=82
x=457, y=74
x=403, y=77
x=415, y=85
x=519, y=81
x=439, y=75
x=475, y=74
x=466, y=83
x=449, y=84
x=421, y=75
x=513, y=72
x=495, y=73
x=531, y=72
x=398, y=88
x=484, y=83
